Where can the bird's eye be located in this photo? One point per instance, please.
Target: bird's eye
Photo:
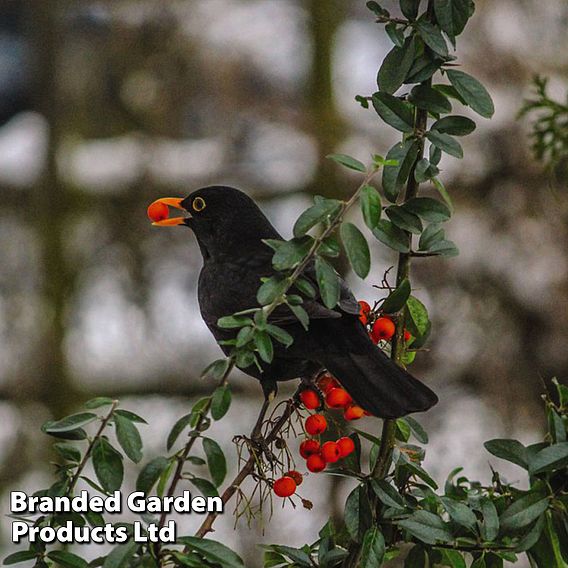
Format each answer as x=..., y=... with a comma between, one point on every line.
x=198, y=204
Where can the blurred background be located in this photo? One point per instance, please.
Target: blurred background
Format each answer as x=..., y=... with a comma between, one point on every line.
x=105, y=106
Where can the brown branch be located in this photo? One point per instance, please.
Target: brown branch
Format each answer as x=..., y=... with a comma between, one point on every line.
x=248, y=468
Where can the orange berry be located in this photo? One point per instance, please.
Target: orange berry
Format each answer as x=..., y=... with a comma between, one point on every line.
x=330, y=452
x=315, y=463
x=354, y=412
x=296, y=476
x=308, y=448
x=383, y=328
x=310, y=399
x=316, y=424
x=284, y=487
x=407, y=335
x=338, y=398
x=346, y=446
x=158, y=211
x=327, y=382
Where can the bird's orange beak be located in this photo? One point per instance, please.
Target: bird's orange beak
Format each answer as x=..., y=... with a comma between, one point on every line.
x=170, y=202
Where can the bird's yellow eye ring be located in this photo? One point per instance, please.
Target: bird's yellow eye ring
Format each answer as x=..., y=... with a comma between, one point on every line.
x=198, y=204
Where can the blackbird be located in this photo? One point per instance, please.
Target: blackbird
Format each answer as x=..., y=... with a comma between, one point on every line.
x=230, y=228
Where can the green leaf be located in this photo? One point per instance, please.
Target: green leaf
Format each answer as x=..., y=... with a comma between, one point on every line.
x=288, y=254
x=271, y=289
x=404, y=219
x=107, y=463
x=233, y=322
x=213, y=551
x=301, y=314
x=460, y=513
x=443, y=192
x=454, y=125
x=522, y=512
x=451, y=558
x=215, y=461
x=422, y=69
x=328, y=282
x=395, y=33
x=67, y=559
x=432, y=37
x=305, y=287
x=132, y=416
x=562, y=392
x=264, y=346
x=549, y=459
x=150, y=473
x=432, y=234
x=394, y=111
x=396, y=66
x=446, y=143
x=397, y=298
x=428, y=209
x=321, y=212
x=427, y=98
x=98, y=402
x=220, y=402
x=472, y=91
x=510, y=450
x=20, y=556
x=394, y=177
x=427, y=527
x=68, y=452
x=296, y=555
x=357, y=249
x=370, y=206
x=452, y=15
x=69, y=423
x=348, y=162
x=418, y=316
x=387, y=494
x=128, y=437
x=281, y=335
x=120, y=555
x=419, y=432
x=424, y=170
x=357, y=516
x=373, y=549
x=391, y=236
x=532, y=536
x=410, y=8
x=206, y=488
x=490, y=525
x=216, y=370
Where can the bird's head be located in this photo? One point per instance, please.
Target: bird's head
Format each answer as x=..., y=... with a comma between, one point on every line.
x=221, y=217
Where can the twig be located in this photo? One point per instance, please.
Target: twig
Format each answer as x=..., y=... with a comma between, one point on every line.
x=248, y=468
x=81, y=466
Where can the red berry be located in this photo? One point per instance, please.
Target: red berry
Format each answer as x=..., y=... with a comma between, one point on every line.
x=327, y=382
x=296, y=476
x=310, y=399
x=158, y=211
x=284, y=487
x=372, y=338
x=383, y=328
x=330, y=452
x=407, y=335
x=315, y=463
x=338, y=398
x=308, y=448
x=364, y=308
x=354, y=412
x=346, y=446
x=316, y=424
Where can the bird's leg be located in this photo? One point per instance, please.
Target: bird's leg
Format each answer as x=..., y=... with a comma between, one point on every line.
x=269, y=389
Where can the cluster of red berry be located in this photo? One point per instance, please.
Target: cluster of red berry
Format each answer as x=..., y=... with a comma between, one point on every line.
x=381, y=328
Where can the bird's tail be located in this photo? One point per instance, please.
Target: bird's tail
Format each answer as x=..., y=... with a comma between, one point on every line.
x=376, y=383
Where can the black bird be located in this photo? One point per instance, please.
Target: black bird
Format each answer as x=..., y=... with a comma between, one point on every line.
x=229, y=228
